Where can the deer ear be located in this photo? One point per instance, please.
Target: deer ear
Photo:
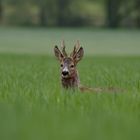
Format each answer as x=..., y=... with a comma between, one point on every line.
x=78, y=56
x=58, y=53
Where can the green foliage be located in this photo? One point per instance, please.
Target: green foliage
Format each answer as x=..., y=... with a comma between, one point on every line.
x=70, y=12
x=33, y=104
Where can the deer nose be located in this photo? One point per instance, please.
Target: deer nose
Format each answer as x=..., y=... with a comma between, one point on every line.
x=65, y=73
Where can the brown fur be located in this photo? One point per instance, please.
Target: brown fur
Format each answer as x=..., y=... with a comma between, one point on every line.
x=71, y=80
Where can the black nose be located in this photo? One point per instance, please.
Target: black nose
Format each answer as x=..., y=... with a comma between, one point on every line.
x=65, y=73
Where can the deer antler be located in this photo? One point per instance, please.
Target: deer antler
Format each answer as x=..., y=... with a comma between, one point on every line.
x=76, y=48
x=63, y=49
x=78, y=45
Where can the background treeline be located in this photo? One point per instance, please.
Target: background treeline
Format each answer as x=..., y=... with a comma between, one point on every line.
x=96, y=13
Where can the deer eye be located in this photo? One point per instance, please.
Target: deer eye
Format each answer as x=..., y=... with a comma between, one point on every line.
x=72, y=66
x=61, y=65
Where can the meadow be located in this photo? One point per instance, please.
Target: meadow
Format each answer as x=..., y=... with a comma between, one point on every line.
x=33, y=104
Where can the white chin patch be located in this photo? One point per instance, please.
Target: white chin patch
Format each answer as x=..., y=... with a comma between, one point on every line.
x=65, y=76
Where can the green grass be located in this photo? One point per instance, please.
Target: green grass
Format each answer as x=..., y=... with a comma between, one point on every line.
x=33, y=105
x=95, y=42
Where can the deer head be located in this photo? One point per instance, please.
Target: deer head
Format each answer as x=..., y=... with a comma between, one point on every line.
x=68, y=63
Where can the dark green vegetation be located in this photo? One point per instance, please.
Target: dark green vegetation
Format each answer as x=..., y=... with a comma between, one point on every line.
x=71, y=13
x=34, y=106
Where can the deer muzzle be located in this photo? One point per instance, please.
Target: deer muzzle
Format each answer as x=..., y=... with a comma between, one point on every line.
x=65, y=72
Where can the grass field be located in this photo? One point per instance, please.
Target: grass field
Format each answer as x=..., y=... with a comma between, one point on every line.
x=33, y=105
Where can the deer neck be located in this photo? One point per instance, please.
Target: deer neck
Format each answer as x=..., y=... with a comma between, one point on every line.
x=71, y=82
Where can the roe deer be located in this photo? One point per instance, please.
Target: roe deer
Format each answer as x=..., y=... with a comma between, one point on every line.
x=69, y=73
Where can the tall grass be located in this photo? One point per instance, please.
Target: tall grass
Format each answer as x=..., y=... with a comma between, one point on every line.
x=34, y=106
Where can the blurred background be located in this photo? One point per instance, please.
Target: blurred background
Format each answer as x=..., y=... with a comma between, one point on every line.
x=35, y=26
x=71, y=13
